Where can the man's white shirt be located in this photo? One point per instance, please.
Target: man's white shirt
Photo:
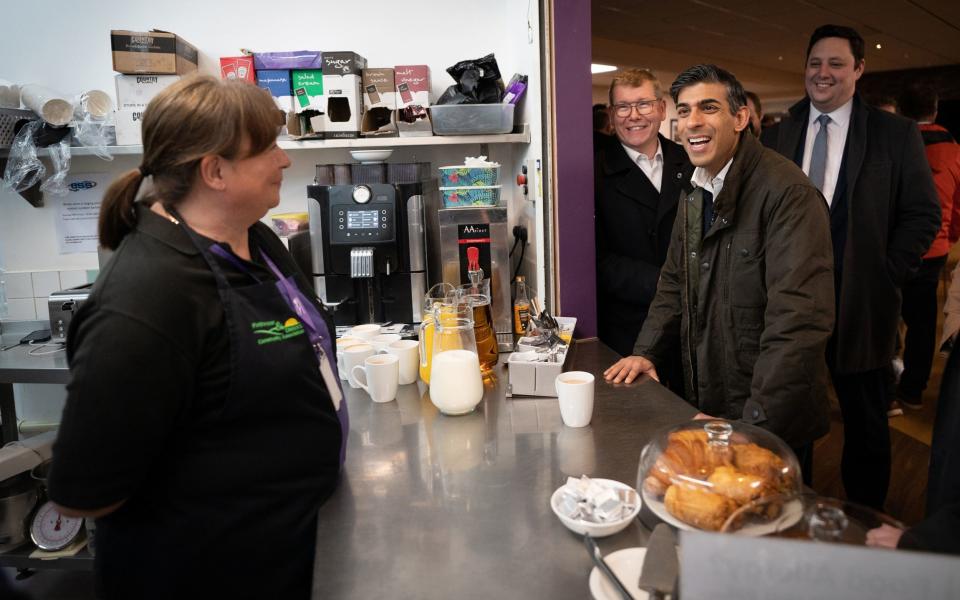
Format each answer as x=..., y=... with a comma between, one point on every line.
x=837, y=130
x=711, y=184
x=653, y=169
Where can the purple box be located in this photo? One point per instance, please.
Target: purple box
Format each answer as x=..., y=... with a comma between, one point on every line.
x=294, y=59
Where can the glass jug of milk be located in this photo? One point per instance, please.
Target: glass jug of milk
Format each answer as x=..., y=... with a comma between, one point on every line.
x=456, y=385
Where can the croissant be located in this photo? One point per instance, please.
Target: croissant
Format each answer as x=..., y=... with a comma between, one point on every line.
x=687, y=453
x=755, y=460
x=740, y=487
x=698, y=506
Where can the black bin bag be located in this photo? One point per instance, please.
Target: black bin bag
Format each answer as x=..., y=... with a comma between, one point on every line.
x=478, y=82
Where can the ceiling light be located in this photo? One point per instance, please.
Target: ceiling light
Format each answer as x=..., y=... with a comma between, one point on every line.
x=595, y=68
x=879, y=46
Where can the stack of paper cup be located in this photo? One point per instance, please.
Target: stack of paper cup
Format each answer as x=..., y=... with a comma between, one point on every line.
x=48, y=104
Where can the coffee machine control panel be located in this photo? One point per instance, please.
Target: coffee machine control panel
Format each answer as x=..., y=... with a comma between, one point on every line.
x=363, y=216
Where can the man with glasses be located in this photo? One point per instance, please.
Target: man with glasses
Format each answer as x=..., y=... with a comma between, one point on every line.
x=640, y=175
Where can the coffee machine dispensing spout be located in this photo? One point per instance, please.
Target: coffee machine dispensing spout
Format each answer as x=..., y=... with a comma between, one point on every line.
x=474, y=270
x=361, y=262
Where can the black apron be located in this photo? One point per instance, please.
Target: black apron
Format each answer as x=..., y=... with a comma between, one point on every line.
x=238, y=513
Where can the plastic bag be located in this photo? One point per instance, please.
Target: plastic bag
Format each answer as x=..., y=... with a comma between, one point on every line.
x=478, y=82
x=94, y=134
x=60, y=159
x=24, y=168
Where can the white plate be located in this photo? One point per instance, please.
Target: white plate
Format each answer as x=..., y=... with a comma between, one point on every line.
x=792, y=512
x=596, y=529
x=626, y=565
x=371, y=156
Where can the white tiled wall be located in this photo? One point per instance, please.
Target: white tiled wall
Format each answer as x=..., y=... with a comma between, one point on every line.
x=27, y=292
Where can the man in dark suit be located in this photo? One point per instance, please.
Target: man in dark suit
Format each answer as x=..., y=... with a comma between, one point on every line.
x=639, y=178
x=872, y=171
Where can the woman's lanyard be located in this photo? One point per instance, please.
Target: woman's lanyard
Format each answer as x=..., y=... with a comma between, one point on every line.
x=317, y=330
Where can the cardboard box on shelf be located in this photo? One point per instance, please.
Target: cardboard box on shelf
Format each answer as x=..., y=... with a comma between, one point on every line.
x=307, y=87
x=341, y=88
x=127, y=123
x=277, y=82
x=238, y=67
x=413, y=98
x=379, y=103
x=156, y=52
x=134, y=92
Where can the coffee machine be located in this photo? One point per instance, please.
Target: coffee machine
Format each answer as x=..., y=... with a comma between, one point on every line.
x=367, y=241
x=451, y=234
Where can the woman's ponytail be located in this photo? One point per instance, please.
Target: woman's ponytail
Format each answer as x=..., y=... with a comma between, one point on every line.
x=117, y=216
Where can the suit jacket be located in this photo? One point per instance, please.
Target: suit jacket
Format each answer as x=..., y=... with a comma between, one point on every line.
x=633, y=223
x=892, y=216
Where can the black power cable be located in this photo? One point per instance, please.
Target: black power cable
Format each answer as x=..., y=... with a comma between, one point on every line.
x=519, y=237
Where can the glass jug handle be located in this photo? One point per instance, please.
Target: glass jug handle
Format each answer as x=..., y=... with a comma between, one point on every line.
x=422, y=343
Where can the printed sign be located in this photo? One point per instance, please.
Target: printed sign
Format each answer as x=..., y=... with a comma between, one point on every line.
x=78, y=211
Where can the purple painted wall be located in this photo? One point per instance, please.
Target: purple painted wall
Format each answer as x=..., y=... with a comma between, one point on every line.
x=574, y=165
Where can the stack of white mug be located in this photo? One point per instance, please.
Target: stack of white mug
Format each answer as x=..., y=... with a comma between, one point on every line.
x=377, y=362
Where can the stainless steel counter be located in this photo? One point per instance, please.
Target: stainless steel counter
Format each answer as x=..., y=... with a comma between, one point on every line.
x=18, y=366
x=433, y=506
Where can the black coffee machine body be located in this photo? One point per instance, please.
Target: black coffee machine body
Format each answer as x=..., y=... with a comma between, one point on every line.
x=368, y=252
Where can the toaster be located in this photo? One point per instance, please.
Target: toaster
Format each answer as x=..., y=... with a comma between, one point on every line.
x=63, y=305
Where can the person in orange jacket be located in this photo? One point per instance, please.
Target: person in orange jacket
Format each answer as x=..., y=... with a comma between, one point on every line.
x=918, y=101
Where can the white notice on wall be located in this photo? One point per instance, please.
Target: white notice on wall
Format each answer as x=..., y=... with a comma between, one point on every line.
x=77, y=212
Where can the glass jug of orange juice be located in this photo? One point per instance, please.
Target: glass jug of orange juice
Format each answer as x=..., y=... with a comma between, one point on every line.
x=479, y=296
x=438, y=295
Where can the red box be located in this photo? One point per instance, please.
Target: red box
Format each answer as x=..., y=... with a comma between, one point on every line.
x=413, y=98
x=413, y=78
x=238, y=67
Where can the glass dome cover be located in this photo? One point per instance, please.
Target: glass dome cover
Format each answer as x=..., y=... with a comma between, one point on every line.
x=820, y=518
x=697, y=475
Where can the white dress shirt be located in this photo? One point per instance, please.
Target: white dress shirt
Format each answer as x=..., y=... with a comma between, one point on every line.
x=714, y=185
x=653, y=169
x=837, y=130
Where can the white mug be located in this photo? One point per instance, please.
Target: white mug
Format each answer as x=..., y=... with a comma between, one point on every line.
x=408, y=351
x=575, y=392
x=378, y=376
x=365, y=332
x=342, y=344
x=383, y=340
x=354, y=356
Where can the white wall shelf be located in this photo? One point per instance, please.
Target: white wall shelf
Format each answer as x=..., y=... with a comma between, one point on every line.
x=522, y=137
x=34, y=197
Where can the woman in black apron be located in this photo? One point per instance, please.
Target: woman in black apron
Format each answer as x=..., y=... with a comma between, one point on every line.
x=204, y=425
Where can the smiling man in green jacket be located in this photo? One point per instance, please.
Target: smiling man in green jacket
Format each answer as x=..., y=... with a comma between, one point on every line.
x=747, y=288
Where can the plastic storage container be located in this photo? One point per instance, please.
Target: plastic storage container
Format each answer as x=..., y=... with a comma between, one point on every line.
x=464, y=176
x=472, y=119
x=459, y=197
x=700, y=474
